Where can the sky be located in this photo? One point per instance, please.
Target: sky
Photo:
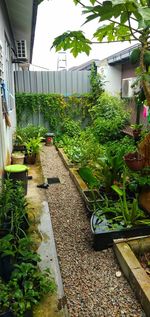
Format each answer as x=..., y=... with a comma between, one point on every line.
x=55, y=17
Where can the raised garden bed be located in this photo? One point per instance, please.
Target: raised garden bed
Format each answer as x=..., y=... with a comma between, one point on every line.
x=103, y=236
x=64, y=157
x=127, y=252
x=81, y=185
x=91, y=197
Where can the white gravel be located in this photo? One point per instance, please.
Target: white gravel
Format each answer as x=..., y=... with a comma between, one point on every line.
x=90, y=282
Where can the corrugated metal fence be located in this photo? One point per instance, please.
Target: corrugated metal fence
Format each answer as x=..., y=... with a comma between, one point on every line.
x=64, y=82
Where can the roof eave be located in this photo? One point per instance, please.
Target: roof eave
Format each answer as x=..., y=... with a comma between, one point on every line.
x=34, y=17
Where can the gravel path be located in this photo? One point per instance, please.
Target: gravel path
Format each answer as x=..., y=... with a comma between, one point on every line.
x=90, y=284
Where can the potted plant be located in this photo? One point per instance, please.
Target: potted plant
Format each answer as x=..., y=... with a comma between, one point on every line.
x=118, y=219
x=19, y=138
x=13, y=216
x=30, y=285
x=136, y=129
x=135, y=161
x=24, y=251
x=5, y=301
x=7, y=256
x=17, y=157
x=33, y=147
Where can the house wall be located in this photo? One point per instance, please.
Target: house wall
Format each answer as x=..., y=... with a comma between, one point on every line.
x=112, y=77
x=6, y=132
x=128, y=70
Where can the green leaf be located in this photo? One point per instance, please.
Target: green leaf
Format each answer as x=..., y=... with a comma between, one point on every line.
x=91, y=17
x=145, y=13
x=104, y=31
x=74, y=40
x=76, y=2
x=115, y=2
x=93, y=1
x=142, y=24
x=123, y=17
x=117, y=190
x=112, y=32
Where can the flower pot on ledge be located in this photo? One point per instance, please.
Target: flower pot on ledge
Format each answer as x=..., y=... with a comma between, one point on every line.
x=135, y=161
x=30, y=159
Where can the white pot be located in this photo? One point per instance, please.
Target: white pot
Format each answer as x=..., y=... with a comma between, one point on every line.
x=17, y=158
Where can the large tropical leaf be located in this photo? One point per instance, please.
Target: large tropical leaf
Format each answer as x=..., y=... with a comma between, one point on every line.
x=73, y=40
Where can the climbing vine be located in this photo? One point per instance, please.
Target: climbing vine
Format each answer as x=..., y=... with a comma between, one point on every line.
x=97, y=84
x=54, y=107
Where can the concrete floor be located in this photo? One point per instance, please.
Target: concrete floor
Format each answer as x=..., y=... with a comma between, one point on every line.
x=42, y=233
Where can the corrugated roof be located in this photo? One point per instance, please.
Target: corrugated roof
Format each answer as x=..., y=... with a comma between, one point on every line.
x=121, y=56
x=85, y=66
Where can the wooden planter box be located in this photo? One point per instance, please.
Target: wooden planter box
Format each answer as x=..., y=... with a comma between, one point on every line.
x=126, y=251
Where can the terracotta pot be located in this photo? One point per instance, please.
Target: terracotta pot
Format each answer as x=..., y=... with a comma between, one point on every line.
x=136, y=132
x=135, y=161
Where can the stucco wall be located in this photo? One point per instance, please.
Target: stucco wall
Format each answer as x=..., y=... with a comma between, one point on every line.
x=112, y=77
x=5, y=131
x=128, y=70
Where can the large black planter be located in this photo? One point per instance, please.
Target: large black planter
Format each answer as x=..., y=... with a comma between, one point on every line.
x=6, y=267
x=28, y=313
x=17, y=172
x=7, y=314
x=103, y=237
x=4, y=228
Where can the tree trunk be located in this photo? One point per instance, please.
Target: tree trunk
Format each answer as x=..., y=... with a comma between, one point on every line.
x=145, y=83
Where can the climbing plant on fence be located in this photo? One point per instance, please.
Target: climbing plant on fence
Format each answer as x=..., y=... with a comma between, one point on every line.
x=54, y=107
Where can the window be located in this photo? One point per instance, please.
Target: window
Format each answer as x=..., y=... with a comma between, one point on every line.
x=21, y=49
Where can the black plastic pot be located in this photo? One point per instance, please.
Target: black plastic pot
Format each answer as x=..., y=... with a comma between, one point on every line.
x=3, y=232
x=7, y=314
x=30, y=159
x=28, y=313
x=4, y=229
x=6, y=267
x=103, y=238
x=20, y=148
x=17, y=175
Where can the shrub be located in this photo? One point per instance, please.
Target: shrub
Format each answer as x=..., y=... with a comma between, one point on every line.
x=71, y=127
x=109, y=117
x=30, y=131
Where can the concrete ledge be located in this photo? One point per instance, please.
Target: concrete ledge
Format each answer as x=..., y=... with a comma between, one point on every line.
x=79, y=182
x=136, y=275
x=73, y=171
x=81, y=185
x=43, y=235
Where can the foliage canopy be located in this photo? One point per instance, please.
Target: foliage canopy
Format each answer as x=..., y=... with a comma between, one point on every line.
x=119, y=20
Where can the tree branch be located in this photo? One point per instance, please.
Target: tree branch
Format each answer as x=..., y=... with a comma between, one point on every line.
x=130, y=27
x=115, y=41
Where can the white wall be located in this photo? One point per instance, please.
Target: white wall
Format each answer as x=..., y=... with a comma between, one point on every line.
x=5, y=131
x=112, y=77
